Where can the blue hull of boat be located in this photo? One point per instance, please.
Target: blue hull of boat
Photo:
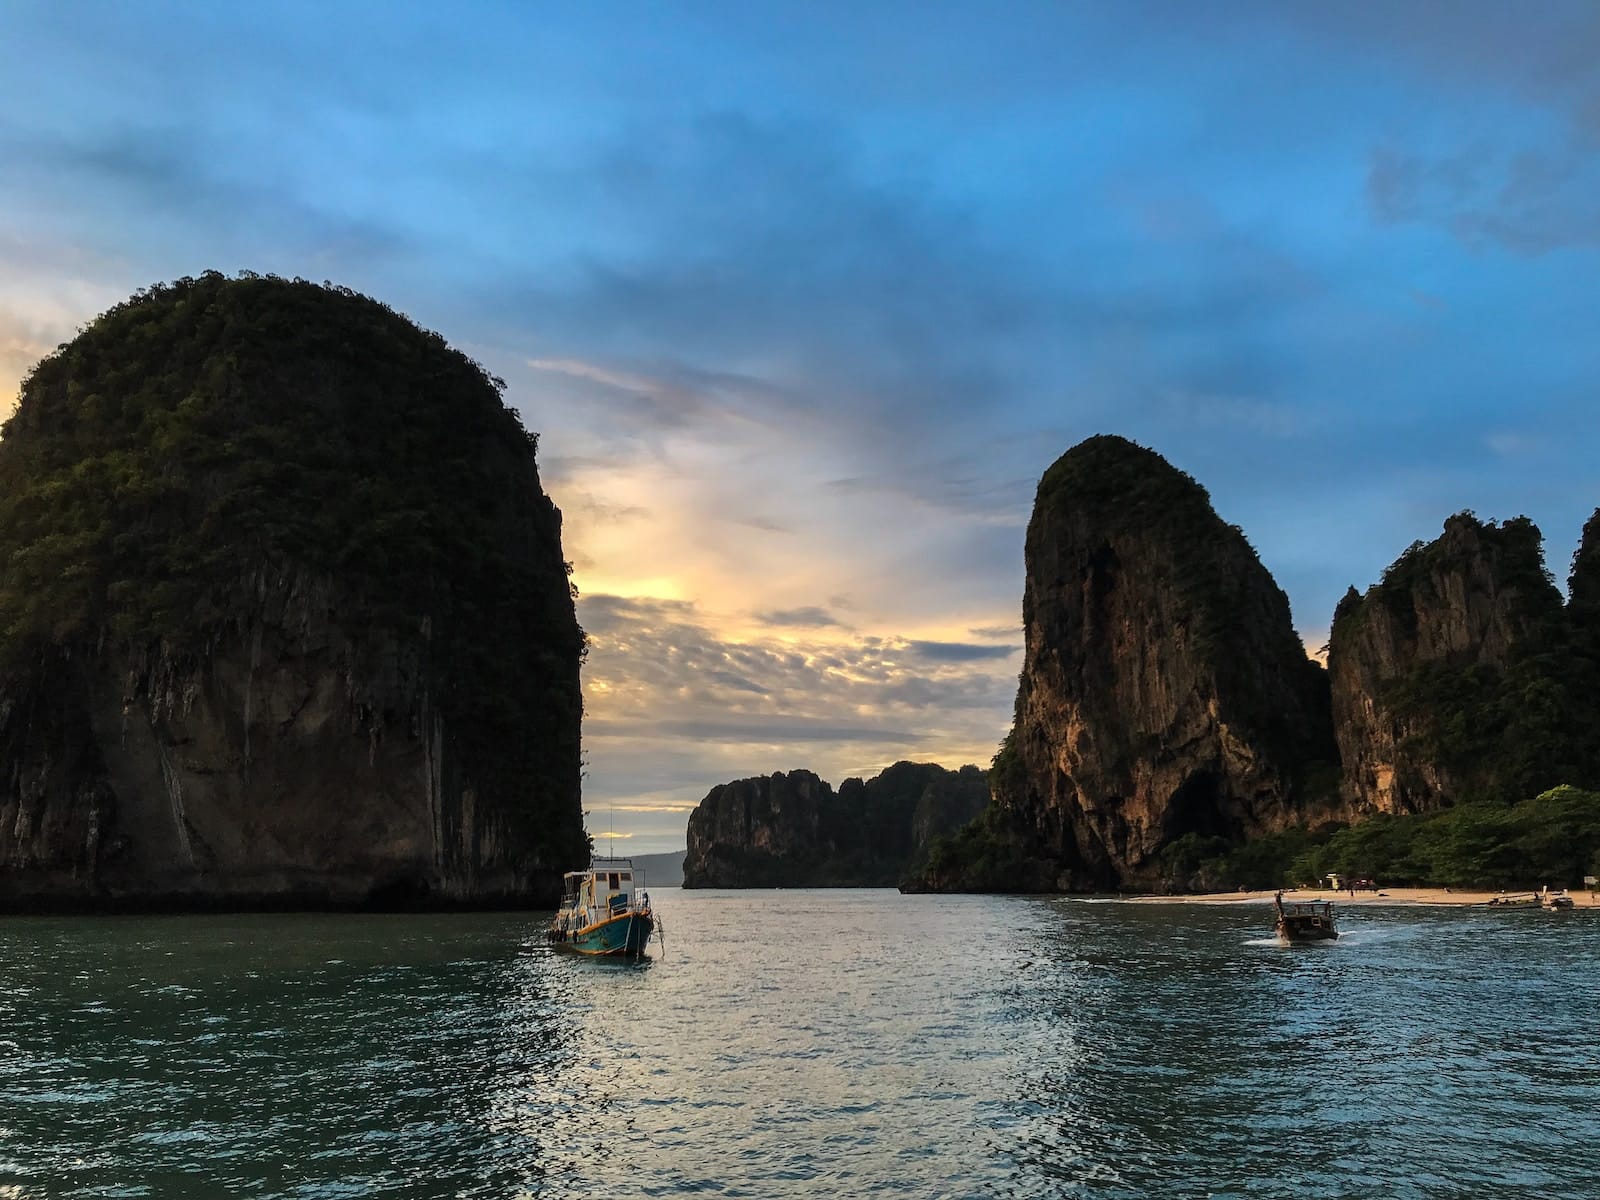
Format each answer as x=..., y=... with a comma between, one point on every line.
x=627, y=935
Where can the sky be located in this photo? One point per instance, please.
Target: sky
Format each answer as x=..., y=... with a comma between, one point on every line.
x=802, y=299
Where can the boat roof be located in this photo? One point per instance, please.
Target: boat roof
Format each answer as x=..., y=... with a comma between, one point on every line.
x=602, y=865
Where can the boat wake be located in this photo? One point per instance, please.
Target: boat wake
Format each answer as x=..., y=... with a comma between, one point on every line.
x=1344, y=939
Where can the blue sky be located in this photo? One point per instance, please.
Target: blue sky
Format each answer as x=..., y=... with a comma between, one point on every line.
x=802, y=299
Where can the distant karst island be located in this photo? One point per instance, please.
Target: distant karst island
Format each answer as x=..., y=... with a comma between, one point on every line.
x=284, y=617
x=793, y=830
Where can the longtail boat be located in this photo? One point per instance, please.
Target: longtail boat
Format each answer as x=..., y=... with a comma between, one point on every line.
x=1305, y=920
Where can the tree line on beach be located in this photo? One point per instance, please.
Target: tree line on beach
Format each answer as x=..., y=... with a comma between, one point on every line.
x=1553, y=838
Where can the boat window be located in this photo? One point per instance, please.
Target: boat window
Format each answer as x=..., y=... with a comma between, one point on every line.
x=615, y=880
x=627, y=877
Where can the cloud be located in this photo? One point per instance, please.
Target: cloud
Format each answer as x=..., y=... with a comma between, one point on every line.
x=955, y=652
x=1273, y=418
x=671, y=697
x=1530, y=201
x=1473, y=47
x=670, y=395
x=811, y=617
x=190, y=189
x=23, y=343
x=993, y=632
x=764, y=524
x=776, y=730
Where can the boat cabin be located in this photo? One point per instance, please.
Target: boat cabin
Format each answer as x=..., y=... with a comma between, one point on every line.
x=608, y=884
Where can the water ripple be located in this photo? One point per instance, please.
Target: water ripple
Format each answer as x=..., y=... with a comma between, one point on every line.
x=854, y=1043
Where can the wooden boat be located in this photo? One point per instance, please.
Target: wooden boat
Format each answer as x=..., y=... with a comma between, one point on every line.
x=1305, y=920
x=605, y=911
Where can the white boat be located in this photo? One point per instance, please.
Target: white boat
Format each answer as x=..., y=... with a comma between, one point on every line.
x=605, y=911
x=1555, y=899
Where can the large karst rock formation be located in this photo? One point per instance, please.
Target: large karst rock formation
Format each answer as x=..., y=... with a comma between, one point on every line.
x=1167, y=709
x=1164, y=691
x=284, y=618
x=792, y=830
x=1462, y=676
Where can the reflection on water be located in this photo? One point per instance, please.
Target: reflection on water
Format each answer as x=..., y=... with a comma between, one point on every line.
x=796, y=1043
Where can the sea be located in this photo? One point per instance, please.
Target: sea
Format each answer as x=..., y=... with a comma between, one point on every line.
x=817, y=1043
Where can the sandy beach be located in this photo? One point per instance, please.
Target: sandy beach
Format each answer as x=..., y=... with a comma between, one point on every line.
x=1395, y=895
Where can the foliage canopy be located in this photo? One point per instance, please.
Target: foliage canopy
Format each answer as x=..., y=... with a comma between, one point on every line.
x=1553, y=838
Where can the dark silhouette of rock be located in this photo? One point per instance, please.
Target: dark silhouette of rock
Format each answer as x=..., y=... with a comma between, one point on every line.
x=793, y=830
x=284, y=619
x=1583, y=584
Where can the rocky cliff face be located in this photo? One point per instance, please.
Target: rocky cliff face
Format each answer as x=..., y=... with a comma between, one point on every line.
x=792, y=830
x=283, y=618
x=1457, y=677
x=757, y=832
x=1164, y=691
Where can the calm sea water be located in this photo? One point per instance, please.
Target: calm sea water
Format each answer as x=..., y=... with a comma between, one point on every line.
x=805, y=1043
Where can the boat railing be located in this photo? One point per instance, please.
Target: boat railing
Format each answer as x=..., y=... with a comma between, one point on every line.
x=1306, y=908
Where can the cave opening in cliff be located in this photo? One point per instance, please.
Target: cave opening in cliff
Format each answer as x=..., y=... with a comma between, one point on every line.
x=1196, y=808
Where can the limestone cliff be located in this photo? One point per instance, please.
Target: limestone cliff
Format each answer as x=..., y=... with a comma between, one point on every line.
x=793, y=830
x=284, y=619
x=1460, y=677
x=1164, y=691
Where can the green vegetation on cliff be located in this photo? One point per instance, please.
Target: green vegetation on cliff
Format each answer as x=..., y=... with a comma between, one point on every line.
x=1512, y=720
x=1583, y=583
x=211, y=433
x=1553, y=838
x=986, y=854
x=982, y=856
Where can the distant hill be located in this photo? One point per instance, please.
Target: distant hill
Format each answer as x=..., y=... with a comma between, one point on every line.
x=661, y=870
